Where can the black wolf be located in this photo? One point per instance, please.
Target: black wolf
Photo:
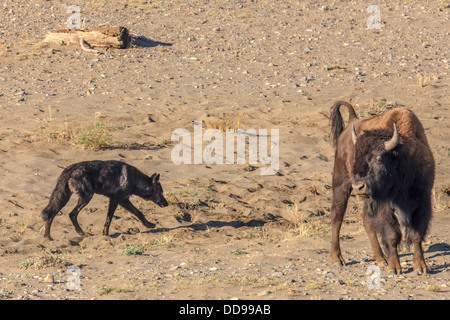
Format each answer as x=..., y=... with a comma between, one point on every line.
x=387, y=160
x=114, y=179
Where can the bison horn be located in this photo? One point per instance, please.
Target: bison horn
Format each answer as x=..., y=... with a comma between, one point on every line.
x=391, y=144
x=354, y=136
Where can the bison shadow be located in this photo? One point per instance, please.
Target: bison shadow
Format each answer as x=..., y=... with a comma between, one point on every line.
x=439, y=249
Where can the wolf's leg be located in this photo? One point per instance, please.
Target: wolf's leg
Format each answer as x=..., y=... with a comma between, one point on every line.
x=82, y=202
x=48, y=224
x=111, y=209
x=80, y=184
x=126, y=204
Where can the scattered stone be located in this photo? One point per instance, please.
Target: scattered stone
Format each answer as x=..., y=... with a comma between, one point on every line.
x=49, y=278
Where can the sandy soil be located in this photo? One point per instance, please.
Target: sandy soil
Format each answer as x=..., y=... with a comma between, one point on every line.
x=230, y=232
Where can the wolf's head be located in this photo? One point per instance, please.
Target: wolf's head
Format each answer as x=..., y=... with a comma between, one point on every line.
x=151, y=189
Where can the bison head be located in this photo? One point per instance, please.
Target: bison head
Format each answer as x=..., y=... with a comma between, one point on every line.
x=376, y=166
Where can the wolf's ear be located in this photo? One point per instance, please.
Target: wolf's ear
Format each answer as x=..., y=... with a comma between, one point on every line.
x=155, y=178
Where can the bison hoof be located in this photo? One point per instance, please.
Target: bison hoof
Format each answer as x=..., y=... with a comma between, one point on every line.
x=394, y=272
x=337, y=260
x=381, y=262
x=337, y=266
x=420, y=267
x=419, y=272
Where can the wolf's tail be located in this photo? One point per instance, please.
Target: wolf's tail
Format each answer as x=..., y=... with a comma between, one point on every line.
x=59, y=198
x=337, y=124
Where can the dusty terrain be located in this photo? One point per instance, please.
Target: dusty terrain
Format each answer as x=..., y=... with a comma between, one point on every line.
x=229, y=232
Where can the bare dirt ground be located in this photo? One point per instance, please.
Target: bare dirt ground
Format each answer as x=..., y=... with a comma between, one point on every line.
x=229, y=232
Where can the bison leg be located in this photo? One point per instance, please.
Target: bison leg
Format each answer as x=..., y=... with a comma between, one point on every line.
x=369, y=216
x=339, y=205
x=416, y=233
x=418, y=260
x=394, y=264
x=389, y=229
x=416, y=220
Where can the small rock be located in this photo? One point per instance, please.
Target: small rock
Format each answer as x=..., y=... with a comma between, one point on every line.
x=265, y=293
x=49, y=278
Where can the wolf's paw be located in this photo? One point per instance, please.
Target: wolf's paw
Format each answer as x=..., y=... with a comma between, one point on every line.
x=149, y=224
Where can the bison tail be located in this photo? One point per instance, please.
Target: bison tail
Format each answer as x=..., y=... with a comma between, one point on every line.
x=58, y=199
x=337, y=123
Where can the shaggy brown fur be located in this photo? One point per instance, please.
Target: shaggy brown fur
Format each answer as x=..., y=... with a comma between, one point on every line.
x=398, y=180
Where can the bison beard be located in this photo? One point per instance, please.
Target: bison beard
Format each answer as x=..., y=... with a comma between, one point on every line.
x=393, y=170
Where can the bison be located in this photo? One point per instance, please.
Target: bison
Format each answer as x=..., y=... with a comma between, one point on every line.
x=386, y=160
